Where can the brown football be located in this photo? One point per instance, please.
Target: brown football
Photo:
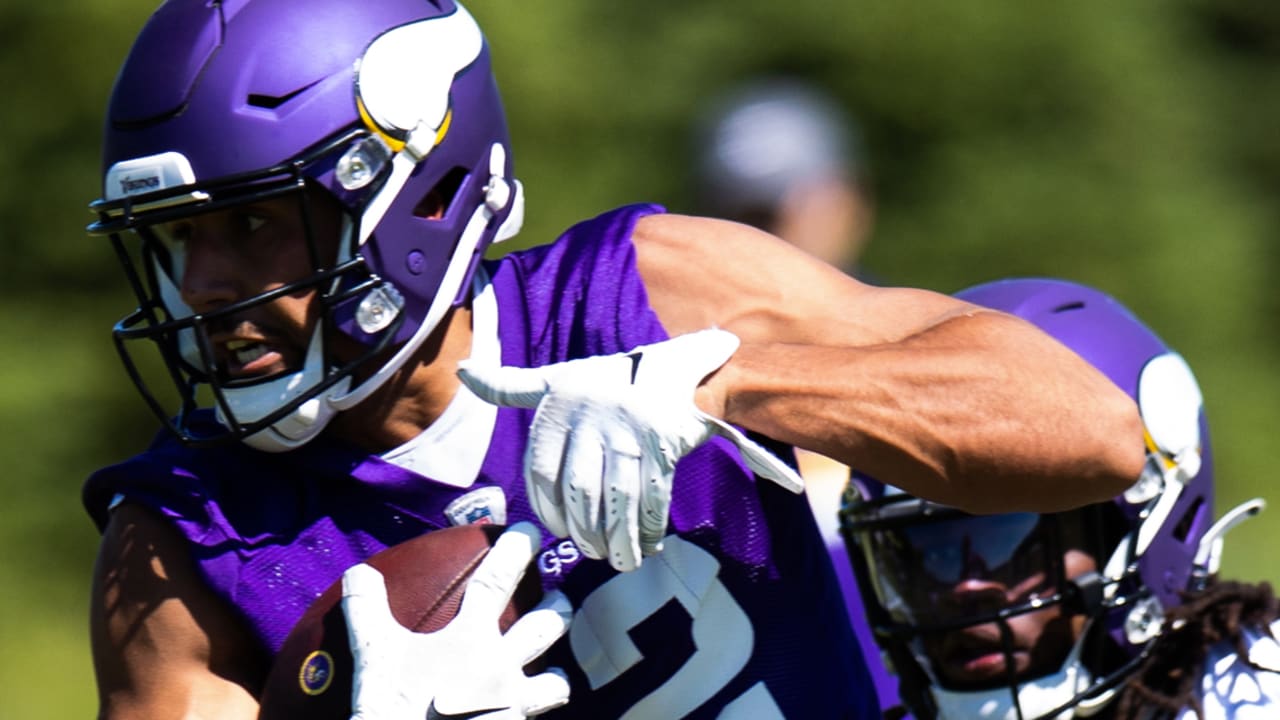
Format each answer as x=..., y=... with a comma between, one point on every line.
x=425, y=577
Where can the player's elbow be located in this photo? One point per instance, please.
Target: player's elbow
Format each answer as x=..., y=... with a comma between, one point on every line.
x=1096, y=435
x=1120, y=452
x=1078, y=460
x=1099, y=458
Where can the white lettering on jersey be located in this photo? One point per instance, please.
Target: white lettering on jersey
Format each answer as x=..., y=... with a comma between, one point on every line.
x=560, y=559
x=722, y=634
x=754, y=704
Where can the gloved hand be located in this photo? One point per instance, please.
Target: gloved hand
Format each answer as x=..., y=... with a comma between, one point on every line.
x=467, y=668
x=607, y=434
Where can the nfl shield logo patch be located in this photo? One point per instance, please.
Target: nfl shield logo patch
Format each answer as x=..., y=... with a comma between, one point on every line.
x=485, y=506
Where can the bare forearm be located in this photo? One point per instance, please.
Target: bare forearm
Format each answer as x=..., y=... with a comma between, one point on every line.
x=980, y=411
x=962, y=405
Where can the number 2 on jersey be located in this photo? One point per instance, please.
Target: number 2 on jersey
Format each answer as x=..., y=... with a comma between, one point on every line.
x=722, y=634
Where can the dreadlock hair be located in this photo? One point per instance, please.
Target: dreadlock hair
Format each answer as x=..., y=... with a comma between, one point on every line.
x=1168, y=681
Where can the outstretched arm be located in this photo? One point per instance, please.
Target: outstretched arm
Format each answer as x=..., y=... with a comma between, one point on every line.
x=966, y=406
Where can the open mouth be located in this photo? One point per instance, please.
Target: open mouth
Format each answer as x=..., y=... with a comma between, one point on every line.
x=979, y=665
x=980, y=661
x=249, y=359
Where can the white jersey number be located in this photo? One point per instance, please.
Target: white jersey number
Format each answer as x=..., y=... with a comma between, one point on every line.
x=722, y=634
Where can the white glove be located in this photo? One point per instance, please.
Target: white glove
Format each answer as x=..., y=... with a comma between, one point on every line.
x=467, y=667
x=607, y=434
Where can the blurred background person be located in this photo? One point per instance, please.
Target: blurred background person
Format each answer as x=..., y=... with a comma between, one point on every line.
x=1113, y=610
x=786, y=157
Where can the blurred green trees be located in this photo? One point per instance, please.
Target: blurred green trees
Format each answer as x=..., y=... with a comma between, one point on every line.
x=1127, y=145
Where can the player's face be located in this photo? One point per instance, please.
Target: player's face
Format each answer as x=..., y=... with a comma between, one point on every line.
x=975, y=657
x=227, y=256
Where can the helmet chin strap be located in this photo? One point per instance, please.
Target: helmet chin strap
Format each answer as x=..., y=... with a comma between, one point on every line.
x=249, y=404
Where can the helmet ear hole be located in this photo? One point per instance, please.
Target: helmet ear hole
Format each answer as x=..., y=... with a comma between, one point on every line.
x=435, y=204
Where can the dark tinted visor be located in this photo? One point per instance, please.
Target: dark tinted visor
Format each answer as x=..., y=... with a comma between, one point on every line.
x=918, y=565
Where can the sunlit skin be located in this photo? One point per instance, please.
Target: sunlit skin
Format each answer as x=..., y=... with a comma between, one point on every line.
x=974, y=657
x=230, y=255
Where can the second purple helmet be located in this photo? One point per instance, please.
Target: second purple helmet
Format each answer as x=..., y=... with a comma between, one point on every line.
x=1150, y=544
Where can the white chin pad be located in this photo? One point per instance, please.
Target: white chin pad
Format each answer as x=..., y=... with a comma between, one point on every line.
x=251, y=403
x=298, y=427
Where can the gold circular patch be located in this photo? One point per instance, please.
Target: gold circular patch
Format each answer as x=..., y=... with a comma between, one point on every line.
x=316, y=673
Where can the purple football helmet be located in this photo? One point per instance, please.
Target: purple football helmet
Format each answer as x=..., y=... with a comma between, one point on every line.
x=388, y=106
x=1143, y=548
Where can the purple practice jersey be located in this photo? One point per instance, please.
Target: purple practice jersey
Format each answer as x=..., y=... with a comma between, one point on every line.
x=740, y=616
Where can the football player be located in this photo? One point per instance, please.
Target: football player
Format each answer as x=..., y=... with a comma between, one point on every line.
x=302, y=195
x=1112, y=610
